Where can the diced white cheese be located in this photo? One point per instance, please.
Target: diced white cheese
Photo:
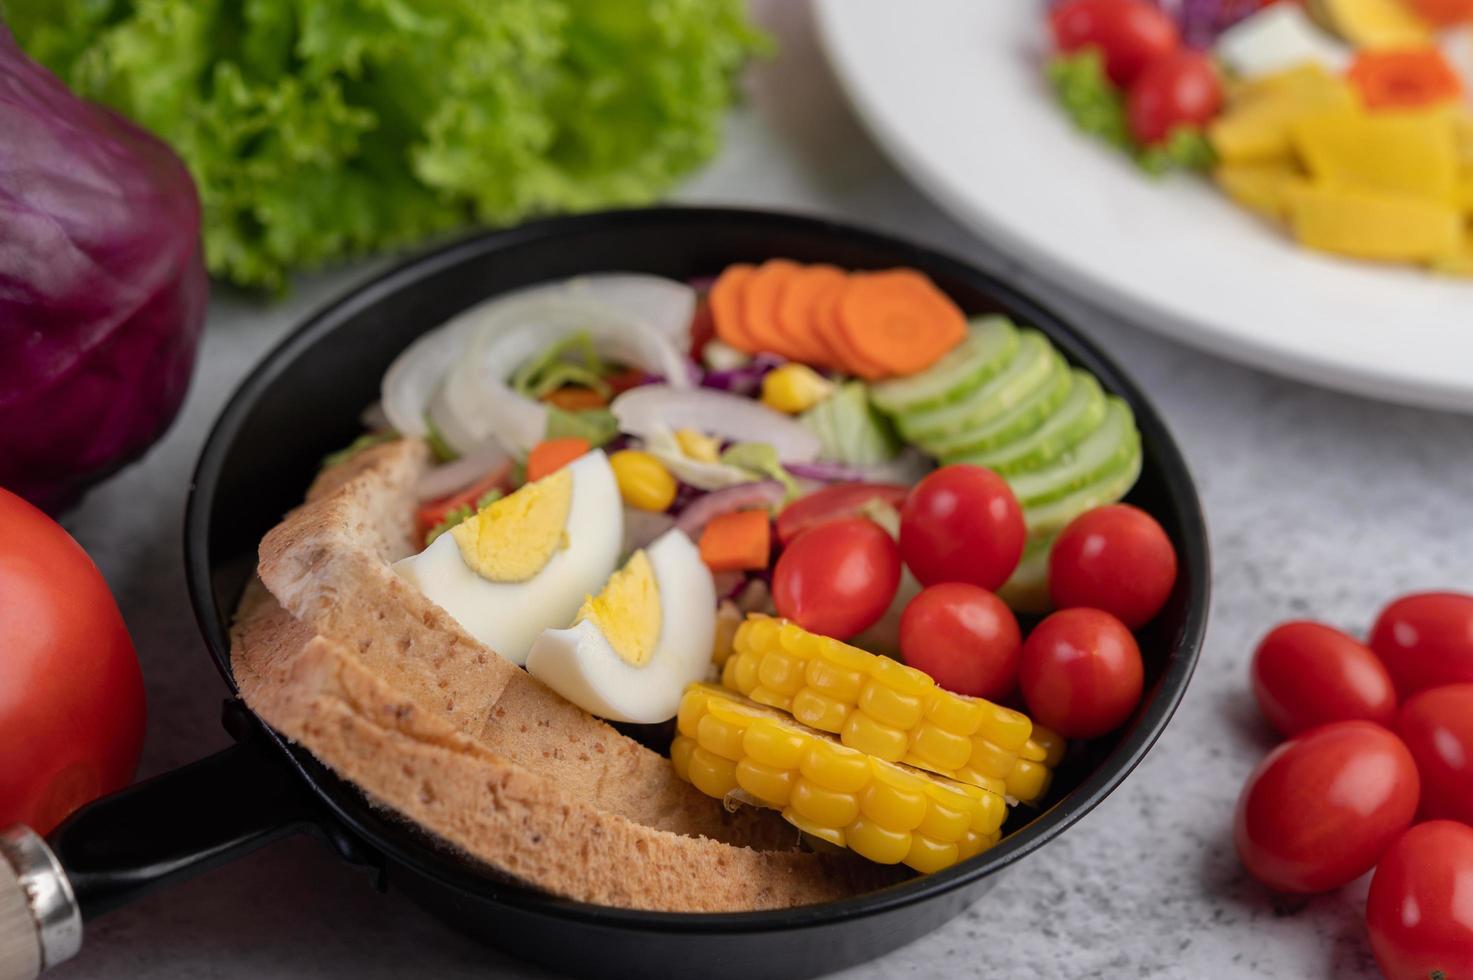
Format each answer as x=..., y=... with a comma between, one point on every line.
x=1278, y=37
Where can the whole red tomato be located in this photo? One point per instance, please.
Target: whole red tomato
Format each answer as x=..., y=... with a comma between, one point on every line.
x=1115, y=558
x=965, y=637
x=837, y=578
x=1081, y=673
x=1420, y=909
x=1437, y=726
x=1181, y=89
x=962, y=524
x=71, y=695
x=1130, y=34
x=1307, y=674
x=1322, y=807
x=1426, y=640
x=838, y=500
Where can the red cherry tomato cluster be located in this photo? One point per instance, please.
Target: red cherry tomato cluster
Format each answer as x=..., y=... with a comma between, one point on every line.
x=1166, y=85
x=961, y=535
x=1380, y=737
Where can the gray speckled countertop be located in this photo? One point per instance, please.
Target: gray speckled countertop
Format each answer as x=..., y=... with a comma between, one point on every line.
x=1319, y=505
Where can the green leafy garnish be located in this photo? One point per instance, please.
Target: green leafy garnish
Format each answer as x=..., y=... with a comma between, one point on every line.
x=760, y=459
x=1097, y=107
x=316, y=131
x=597, y=425
x=460, y=514
x=366, y=441
x=438, y=446
x=571, y=360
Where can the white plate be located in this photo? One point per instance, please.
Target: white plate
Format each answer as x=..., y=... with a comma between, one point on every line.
x=954, y=90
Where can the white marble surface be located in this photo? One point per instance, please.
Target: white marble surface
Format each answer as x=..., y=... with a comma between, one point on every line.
x=1319, y=505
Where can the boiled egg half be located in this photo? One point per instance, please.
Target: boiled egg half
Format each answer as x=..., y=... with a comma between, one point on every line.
x=523, y=563
x=639, y=642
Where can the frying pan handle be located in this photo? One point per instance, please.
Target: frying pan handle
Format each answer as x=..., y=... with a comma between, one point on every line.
x=142, y=838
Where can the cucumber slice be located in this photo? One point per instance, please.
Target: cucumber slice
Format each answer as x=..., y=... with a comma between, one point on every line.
x=1079, y=415
x=1033, y=411
x=990, y=344
x=1104, y=451
x=1051, y=518
x=1026, y=590
x=1021, y=376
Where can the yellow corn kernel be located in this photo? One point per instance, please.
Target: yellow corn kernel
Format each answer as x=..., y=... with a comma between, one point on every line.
x=903, y=679
x=889, y=707
x=831, y=834
x=872, y=738
x=780, y=672
x=720, y=737
x=772, y=745
x=711, y=774
x=938, y=748
x=728, y=618
x=960, y=716
x=643, y=481
x=794, y=388
x=927, y=855
x=825, y=807
x=745, y=672
x=889, y=801
x=846, y=657
x=1050, y=741
x=817, y=711
x=771, y=785
x=771, y=698
x=981, y=780
x=729, y=672
x=973, y=843
x=829, y=679
x=876, y=842
x=990, y=760
x=1007, y=728
x=680, y=751
x=698, y=445
x=688, y=716
x=835, y=767
x=1027, y=780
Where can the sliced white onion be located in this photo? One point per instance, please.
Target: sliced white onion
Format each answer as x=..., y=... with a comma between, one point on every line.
x=475, y=402
x=647, y=409
x=660, y=443
x=460, y=473
x=663, y=305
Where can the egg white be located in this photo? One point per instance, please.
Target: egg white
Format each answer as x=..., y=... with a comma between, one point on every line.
x=580, y=664
x=508, y=616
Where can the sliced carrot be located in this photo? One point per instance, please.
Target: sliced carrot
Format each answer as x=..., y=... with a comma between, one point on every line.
x=726, y=306
x=826, y=318
x=551, y=455
x=575, y=398
x=432, y=514
x=899, y=320
x=759, y=305
x=737, y=542
x=795, y=313
x=1404, y=79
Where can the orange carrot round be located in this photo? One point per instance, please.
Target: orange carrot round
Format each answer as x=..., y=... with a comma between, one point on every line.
x=826, y=318
x=796, y=312
x=1404, y=79
x=726, y=306
x=899, y=320
x=551, y=455
x=759, y=305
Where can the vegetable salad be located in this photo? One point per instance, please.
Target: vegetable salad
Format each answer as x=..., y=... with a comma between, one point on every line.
x=800, y=508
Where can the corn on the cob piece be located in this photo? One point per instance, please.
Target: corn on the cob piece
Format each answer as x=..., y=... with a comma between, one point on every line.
x=888, y=710
x=886, y=812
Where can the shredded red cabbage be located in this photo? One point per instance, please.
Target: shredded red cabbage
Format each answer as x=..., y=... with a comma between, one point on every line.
x=745, y=380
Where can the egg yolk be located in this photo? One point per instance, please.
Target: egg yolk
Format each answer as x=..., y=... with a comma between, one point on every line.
x=627, y=611
x=514, y=537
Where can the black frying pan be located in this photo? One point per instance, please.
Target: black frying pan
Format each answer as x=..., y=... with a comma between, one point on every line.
x=303, y=401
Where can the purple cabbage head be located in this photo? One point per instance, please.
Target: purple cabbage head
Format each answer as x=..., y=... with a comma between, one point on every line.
x=102, y=288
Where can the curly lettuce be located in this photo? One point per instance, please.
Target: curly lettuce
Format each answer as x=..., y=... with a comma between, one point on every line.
x=323, y=129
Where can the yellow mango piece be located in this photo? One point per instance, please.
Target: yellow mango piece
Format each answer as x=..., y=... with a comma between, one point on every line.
x=1376, y=23
x=1371, y=225
x=1256, y=128
x=1462, y=122
x=1264, y=188
x=1465, y=192
x=1411, y=153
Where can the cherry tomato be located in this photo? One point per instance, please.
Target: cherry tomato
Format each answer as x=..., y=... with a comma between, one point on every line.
x=837, y=578
x=1418, y=911
x=1306, y=674
x=1444, y=13
x=1130, y=34
x=1322, y=807
x=71, y=695
x=1437, y=727
x=1179, y=90
x=962, y=524
x=1115, y=558
x=1426, y=640
x=965, y=637
x=1081, y=673
x=839, y=500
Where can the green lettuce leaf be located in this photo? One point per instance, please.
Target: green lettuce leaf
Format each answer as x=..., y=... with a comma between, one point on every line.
x=322, y=129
